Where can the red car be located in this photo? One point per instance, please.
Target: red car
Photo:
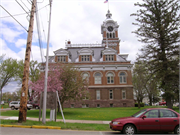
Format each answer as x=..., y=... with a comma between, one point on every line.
x=35, y=105
x=162, y=103
x=148, y=120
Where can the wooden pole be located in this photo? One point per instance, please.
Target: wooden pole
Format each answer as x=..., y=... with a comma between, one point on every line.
x=24, y=89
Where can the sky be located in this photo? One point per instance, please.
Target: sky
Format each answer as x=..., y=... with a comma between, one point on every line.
x=76, y=20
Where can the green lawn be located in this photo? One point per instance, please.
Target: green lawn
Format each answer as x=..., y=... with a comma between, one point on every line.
x=4, y=106
x=105, y=114
x=72, y=126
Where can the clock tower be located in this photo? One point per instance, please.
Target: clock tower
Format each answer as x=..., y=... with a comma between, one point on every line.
x=109, y=31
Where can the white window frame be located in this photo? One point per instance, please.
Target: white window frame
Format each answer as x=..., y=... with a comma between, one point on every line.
x=109, y=57
x=97, y=79
x=85, y=105
x=123, y=94
x=72, y=105
x=122, y=78
x=98, y=94
x=111, y=105
x=61, y=58
x=110, y=94
x=98, y=106
x=85, y=58
x=110, y=79
x=85, y=77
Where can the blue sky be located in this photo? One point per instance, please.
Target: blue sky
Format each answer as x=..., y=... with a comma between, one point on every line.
x=76, y=20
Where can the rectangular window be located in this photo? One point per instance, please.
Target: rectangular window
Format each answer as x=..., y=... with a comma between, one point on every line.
x=97, y=79
x=72, y=105
x=111, y=105
x=61, y=58
x=123, y=79
x=110, y=94
x=85, y=57
x=109, y=57
x=124, y=105
x=110, y=79
x=123, y=94
x=98, y=94
x=98, y=105
x=85, y=105
x=86, y=98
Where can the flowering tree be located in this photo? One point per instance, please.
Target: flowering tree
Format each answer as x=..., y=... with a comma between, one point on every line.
x=66, y=80
x=53, y=82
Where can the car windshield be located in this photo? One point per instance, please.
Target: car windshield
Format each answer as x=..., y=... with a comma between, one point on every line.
x=139, y=113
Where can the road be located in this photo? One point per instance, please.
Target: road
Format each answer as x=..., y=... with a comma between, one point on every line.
x=32, y=131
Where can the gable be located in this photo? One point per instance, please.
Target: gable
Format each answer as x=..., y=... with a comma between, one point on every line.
x=109, y=51
x=61, y=52
x=86, y=51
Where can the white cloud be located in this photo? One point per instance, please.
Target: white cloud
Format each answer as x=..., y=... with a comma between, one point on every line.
x=20, y=43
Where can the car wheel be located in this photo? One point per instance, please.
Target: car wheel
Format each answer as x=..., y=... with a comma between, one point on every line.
x=129, y=129
x=29, y=108
x=12, y=107
x=177, y=131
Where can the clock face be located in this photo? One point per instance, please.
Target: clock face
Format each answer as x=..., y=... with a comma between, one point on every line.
x=110, y=28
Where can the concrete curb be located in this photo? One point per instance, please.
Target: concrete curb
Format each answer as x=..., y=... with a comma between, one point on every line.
x=33, y=126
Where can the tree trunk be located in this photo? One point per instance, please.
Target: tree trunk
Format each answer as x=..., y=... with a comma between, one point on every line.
x=169, y=103
x=150, y=100
x=58, y=107
x=139, y=106
x=1, y=96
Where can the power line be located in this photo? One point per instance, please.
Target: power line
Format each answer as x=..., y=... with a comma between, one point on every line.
x=20, y=13
x=39, y=33
x=13, y=18
x=22, y=7
x=25, y=5
x=13, y=15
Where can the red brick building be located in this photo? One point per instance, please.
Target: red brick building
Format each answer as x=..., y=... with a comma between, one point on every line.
x=108, y=71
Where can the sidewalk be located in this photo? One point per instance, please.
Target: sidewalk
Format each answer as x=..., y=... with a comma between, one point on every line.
x=67, y=121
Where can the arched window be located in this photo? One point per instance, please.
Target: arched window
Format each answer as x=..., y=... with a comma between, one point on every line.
x=97, y=78
x=113, y=35
x=110, y=94
x=107, y=35
x=110, y=35
x=86, y=76
x=123, y=77
x=110, y=78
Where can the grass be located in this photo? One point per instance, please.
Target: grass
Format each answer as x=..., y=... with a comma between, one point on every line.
x=72, y=126
x=4, y=106
x=104, y=114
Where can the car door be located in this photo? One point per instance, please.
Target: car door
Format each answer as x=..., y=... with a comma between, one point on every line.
x=168, y=120
x=151, y=122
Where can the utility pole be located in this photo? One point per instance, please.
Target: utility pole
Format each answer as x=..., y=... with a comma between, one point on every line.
x=46, y=70
x=24, y=89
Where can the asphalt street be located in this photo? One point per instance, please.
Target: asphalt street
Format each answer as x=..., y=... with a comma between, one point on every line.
x=33, y=131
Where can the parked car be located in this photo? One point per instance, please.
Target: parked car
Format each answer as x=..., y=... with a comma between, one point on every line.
x=16, y=104
x=35, y=105
x=162, y=103
x=148, y=120
x=2, y=102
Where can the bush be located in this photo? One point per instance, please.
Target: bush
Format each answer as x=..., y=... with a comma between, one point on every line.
x=141, y=104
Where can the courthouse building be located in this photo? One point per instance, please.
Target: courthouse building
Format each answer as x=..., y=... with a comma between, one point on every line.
x=108, y=71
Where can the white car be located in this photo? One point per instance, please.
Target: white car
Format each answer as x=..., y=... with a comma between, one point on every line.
x=2, y=102
x=16, y=104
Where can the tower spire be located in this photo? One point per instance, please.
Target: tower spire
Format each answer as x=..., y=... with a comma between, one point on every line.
x=108, y=15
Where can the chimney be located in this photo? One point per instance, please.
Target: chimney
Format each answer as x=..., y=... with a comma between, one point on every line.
x=69, y=42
